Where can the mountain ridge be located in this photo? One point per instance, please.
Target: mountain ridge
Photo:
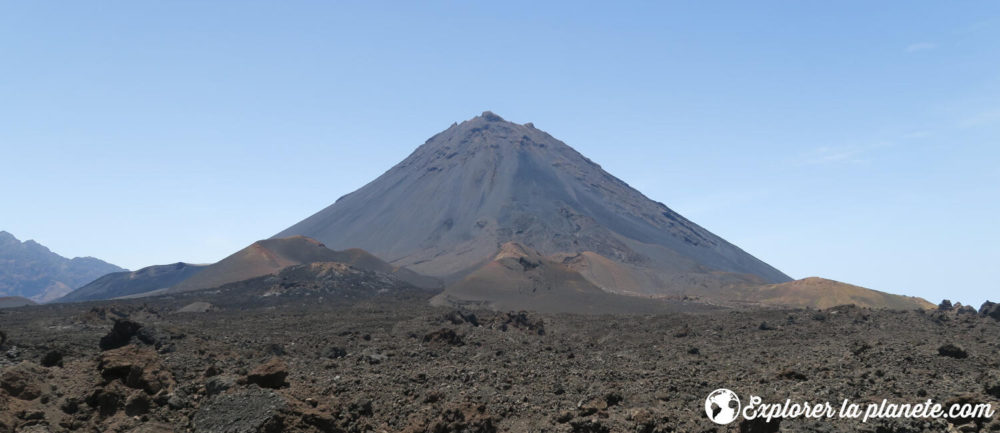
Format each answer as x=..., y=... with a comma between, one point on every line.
x=31, y=270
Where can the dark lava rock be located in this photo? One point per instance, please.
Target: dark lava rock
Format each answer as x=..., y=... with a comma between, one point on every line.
x=993, y=386
x=177, y=401
x=990, y=309
x=248, y=411
x=764, y=326
x=966, y=309
x=275, y=349
x=459, y=317
x=219, y=384
x=589, y=426
x=335, y=352
x=945, y=305
x=138, y=404
x=953, y=351
x=521, y=320
x=70, y=406
x=3, y=338
x=466, y=418
x=446, y=336
x=120, y=334
x=156, y=337
x=760, y=425
x=792, y=375
x=106, y=400
x=270, y=374
x=52, y=358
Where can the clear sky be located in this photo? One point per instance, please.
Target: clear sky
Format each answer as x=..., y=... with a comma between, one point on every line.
x=858, y=141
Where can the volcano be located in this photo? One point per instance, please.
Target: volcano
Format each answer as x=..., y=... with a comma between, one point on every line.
x=448, y=208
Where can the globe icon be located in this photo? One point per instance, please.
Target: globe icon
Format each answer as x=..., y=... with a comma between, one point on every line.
x=722, y=406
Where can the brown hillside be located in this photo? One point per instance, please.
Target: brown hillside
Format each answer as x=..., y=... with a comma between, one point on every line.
x=818, y=292
x=272, y=255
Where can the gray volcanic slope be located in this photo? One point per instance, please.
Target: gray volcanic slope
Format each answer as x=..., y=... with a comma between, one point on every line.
x=126, y=283
x=447, y=208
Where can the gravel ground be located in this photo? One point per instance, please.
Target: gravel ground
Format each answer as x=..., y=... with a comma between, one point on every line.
x=391, y=363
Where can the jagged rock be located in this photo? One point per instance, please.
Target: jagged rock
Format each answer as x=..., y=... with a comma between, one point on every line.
x=965, y=310
x=952, y=351
x=219, y=384
x=792, y=375
x=521, y=320
x=136, y=367
x=120, y=334
x=138, y=403
x=446, y=336
x=23, y=381
x=335, y=352
x=107, y=400
x=459, y=317
x=992, y=385
x=70, y=406
x=271, y=374
x=52, y=358
x=945, y=305
x=990, y=309
x=466, y=418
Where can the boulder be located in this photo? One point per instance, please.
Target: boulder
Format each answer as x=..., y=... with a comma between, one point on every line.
x=990, y=309
x=120, y=334
x=270, y=374
x=23, y=381
x=136, y=367
x=953, y=351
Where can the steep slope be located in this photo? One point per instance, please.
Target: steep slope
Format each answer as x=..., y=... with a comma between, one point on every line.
x=818, y=292
x=446, y=209
x=31, y=270
x=144, y=280
x=520, y=278
x=272, y=255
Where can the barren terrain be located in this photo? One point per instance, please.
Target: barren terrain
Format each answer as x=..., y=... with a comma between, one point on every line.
x=340, y=362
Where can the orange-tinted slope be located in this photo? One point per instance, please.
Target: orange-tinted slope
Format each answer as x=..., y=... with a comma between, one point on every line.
x=272, y=255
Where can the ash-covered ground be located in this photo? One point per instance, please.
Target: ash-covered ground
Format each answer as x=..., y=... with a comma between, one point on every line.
x=391, y=363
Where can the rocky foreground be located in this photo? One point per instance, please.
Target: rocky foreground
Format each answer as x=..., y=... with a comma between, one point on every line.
x=392, y=364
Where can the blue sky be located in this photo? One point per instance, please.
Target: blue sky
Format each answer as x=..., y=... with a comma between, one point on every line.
x=858, y=141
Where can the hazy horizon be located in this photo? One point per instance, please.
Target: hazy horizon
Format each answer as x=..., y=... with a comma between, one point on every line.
x=851, y=141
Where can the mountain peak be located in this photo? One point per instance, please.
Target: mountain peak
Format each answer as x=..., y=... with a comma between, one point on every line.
x=490, y=116
x=457, y=200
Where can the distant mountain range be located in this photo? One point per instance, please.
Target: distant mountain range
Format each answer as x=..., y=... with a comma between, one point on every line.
x=30, y=270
